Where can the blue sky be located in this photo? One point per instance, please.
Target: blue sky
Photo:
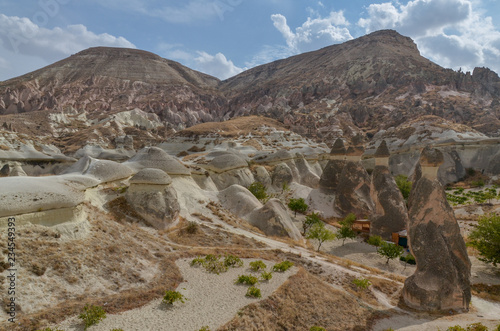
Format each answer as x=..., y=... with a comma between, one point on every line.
x=225, y=37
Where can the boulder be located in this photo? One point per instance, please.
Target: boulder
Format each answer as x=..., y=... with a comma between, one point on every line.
x=442, y=278
x=273, y=219
x=390, y=214
x=154, y=157
x=282, y=174
x=238, y=200
x=262, y=175
x=153, y=198
x=226, y=162
x=241, y=176
x=102, y=170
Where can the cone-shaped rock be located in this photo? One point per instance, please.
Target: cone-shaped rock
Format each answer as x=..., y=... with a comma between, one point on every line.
x=390, y=214
x=353, y=191
x=441, y=280
x=331, y=174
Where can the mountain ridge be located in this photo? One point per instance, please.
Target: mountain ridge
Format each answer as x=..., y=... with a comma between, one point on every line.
x=373, y=82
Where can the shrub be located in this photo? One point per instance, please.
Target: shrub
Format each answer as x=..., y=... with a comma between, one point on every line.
x=476, y=327
x=298, y=205
x=246, y=279
x=477, y=183
x=205, y=328
x=192, y=227
x=361, y=283
x=390, y=251
x=349, y=219
x=404, y=186
x=232, y=261
x=172, y=296
x=49, y=329
x=259, y=191
x=92, y=315
x=282, y=266
x=257, y=265
x=197, y=261
x=410, y=259
x=253, y=292
x=117, y=330
x=266, y=276
x=317, y=328
x=486, y=238
x=375, y=241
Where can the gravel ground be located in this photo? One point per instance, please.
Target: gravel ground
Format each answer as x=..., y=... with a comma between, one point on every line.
x=212, y=301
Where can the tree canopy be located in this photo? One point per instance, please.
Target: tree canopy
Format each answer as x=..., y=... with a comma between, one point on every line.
x=486, y=238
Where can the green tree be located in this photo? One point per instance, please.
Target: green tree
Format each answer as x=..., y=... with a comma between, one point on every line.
x=259, y=191
x=298, y=205
x=390, y=251
x=320, y=233
x=404, y=186
x=486, y=238
x=346, y=230
x=310, y=220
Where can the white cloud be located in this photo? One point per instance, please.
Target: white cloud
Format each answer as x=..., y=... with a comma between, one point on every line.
x=453, y=33
x=216, y=65
x=315, y=32
x=21, y=35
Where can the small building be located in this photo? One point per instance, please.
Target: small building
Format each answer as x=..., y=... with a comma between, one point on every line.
x=361, y=226
x=400, y=238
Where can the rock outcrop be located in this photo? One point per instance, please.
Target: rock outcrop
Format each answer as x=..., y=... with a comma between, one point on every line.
x=153, y=198
x=157, y=158
x=353, y=191
x=331, y=174
x=390, y=213
x=273, y=220
x=102, y=170
x=441, y=280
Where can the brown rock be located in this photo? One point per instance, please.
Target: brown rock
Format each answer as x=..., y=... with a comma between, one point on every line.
x=331, y=174
x=441, y=280
x=390, y=214
x=353, y=191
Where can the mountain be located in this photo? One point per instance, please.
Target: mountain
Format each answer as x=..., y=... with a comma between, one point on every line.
x=351, y=90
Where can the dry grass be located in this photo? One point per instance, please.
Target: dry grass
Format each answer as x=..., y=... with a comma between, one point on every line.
x=227, y=217
x=209, y=237
x=485, y=291
x=301, y=302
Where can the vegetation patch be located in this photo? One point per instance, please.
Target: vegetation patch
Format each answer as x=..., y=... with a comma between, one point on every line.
x=92, y=315
x=282, y=266
x=246, y=280
x=253, y=292
x=171, y=297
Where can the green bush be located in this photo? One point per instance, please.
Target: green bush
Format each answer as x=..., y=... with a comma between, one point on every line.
x=298, y=205
x=282, y=266
x=266, y=276
x=477, y=183
x=253, y=292
x=470, y=327
x=317, y=328
x=404, y=186
x=212, y=263
x=410, y=259
x=361, y=283
x=259, y=191
x=92, y=315
x=205, y=328
x=49, y=329
x=172, y=296
x=375, y=241
x=257, y=265
x=232, y=261
x=246, y=279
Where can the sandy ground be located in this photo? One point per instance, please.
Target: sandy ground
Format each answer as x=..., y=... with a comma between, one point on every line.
x=213, y=300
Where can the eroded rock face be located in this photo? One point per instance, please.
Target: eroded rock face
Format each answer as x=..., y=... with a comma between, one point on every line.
x=273, y=220
x=331, y=175
x=353, y=191
x=282, y=174
x=153, y=198
x=441, y=280
x=390, y=213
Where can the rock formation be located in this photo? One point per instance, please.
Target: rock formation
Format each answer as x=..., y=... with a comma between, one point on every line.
x=330, y=178
x=441, y=280
x=390, y=213
x=152, y=197
x=154, y=157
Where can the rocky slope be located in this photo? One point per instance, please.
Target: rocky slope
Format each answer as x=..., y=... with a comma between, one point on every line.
x=351, y=90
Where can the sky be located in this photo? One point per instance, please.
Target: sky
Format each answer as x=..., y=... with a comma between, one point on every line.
x=225, y=37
